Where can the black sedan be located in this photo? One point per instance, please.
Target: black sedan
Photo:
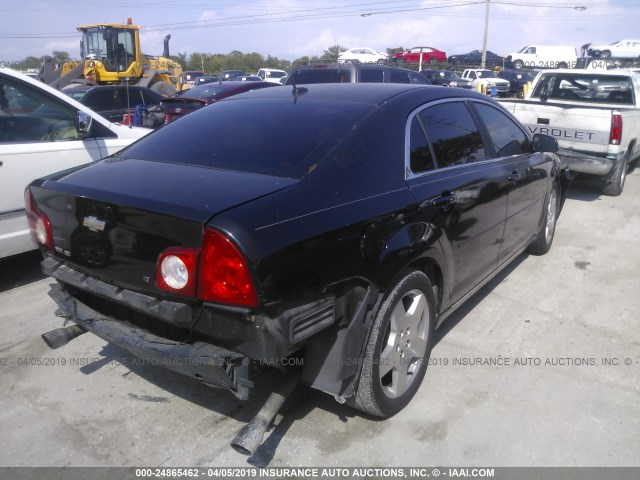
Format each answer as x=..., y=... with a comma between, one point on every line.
x=114, y=101
x=474, y=59
x=446, y=78
x=326, y=229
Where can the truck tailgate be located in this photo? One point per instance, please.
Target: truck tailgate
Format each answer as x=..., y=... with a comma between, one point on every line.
x=575, y=128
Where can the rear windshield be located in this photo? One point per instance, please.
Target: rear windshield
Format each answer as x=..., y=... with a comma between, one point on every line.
x=279, y=137
x=585, y=87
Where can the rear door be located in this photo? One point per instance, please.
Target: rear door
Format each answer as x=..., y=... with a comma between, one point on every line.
x=461, y=191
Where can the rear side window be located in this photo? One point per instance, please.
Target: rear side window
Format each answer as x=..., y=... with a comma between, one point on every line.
x=507, y=138
x=453, y=134
x=420, y=157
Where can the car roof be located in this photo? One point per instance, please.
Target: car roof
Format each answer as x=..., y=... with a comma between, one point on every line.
x=368, y=93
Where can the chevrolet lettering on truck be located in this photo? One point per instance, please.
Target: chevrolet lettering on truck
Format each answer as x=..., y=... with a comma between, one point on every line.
x=594, y=116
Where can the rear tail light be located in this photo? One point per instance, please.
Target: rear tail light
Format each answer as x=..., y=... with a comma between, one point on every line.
x=224, y=275
x=39, y=223
x=216, y=273
x=616, y=129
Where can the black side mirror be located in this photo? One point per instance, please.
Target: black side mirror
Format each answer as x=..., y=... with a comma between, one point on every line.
x=544, y=143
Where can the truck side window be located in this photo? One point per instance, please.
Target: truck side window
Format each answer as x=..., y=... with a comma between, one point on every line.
x=507, y=138
x=27, y=116
x=371, y=75
x=454, y=136
x=399, y=77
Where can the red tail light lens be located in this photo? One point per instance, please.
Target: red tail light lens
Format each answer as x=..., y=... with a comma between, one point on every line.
x=176, y=270
x=224, y=276
x=616, y=129
x=39, y=223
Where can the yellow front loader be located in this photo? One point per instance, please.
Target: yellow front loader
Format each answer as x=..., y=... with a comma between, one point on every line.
x=111, y=54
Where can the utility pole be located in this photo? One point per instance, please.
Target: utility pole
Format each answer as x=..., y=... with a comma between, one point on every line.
x=486, y=33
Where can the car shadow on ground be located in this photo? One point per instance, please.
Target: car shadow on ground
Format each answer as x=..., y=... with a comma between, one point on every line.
x=19, y=270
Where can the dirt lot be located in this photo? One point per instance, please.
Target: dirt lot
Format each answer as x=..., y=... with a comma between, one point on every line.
x=540, y=368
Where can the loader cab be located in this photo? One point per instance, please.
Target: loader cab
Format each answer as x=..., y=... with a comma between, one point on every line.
x=114, y=47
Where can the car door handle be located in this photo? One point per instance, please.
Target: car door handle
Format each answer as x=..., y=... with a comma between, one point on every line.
x=444, y=202
x=515, y=177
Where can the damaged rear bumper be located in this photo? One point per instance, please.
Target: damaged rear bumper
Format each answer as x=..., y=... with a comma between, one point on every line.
x=212, y=365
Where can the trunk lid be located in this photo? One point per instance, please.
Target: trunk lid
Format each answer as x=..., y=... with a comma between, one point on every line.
x=112, y=219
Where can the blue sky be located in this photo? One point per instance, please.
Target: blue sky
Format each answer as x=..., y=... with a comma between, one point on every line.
x=289, y=29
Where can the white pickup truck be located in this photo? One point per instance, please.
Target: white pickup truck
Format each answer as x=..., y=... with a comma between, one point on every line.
x=593, y=114
x=488, y=79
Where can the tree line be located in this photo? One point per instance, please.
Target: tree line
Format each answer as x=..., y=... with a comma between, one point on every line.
x=215, y=62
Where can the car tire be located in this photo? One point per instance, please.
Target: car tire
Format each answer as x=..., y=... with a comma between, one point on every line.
x=544, y=239
x=614, y=183
x=398, y=348
x=433, y=60
x=381, y=61
x=518, y=64
x=605, y=54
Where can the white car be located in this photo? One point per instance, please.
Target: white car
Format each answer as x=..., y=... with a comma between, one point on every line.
x=43, y=131
x=619, y=49
x=272, y=75
x=362, y=55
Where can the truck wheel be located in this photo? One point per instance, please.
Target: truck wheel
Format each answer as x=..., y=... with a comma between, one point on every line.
x=164, y=89
x=544, y=239
x=614, y=183
x=398, y=348
x=518, y=64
